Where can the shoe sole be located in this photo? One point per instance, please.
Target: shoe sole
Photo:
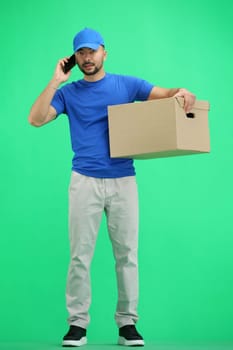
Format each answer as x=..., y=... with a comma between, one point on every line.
x=125, y=342
x=73, y=343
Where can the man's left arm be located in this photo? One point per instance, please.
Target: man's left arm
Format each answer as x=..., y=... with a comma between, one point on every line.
x=159, y=92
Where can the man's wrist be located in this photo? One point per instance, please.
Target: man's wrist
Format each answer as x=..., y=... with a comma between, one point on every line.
x=54, y=84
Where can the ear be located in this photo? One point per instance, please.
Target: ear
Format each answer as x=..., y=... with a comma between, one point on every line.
x=105, y=55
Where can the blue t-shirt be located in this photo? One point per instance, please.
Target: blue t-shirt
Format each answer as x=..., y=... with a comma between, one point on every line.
x=85, y=103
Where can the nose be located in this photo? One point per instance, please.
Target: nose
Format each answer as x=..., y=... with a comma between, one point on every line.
x=87, y=56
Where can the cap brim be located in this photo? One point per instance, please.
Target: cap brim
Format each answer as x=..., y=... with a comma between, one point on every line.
x=88, y=45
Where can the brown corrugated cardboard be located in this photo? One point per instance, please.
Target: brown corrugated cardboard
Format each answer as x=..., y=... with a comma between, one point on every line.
x=158, y=128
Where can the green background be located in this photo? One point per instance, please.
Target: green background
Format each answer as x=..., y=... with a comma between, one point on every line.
x=186, y=231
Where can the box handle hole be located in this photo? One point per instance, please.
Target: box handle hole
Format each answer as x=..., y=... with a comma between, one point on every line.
x=190, y=115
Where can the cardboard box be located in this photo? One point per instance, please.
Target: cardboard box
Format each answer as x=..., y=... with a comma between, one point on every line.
x=158, y=128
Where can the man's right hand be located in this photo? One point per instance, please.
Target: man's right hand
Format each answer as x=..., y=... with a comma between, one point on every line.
x=59, y=75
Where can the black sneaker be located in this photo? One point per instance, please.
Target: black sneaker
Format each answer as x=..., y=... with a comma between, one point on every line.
x=76, y=336
x=129, y=336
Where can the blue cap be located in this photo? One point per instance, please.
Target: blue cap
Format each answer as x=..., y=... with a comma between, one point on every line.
x=87, y=38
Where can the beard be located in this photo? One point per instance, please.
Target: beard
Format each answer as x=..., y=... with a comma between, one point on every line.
x=95, y=69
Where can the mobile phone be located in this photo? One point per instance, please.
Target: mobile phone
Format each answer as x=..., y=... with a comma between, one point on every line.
x=69, y=64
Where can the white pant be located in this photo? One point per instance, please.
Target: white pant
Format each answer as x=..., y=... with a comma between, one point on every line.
x=89, y=197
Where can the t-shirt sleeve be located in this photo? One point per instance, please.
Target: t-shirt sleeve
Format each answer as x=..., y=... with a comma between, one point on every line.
x=138, y=89
x=58, y=102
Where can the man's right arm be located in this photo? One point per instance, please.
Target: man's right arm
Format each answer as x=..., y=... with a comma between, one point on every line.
x=41, y=111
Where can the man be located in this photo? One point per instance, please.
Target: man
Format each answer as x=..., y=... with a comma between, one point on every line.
x=98, y=183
